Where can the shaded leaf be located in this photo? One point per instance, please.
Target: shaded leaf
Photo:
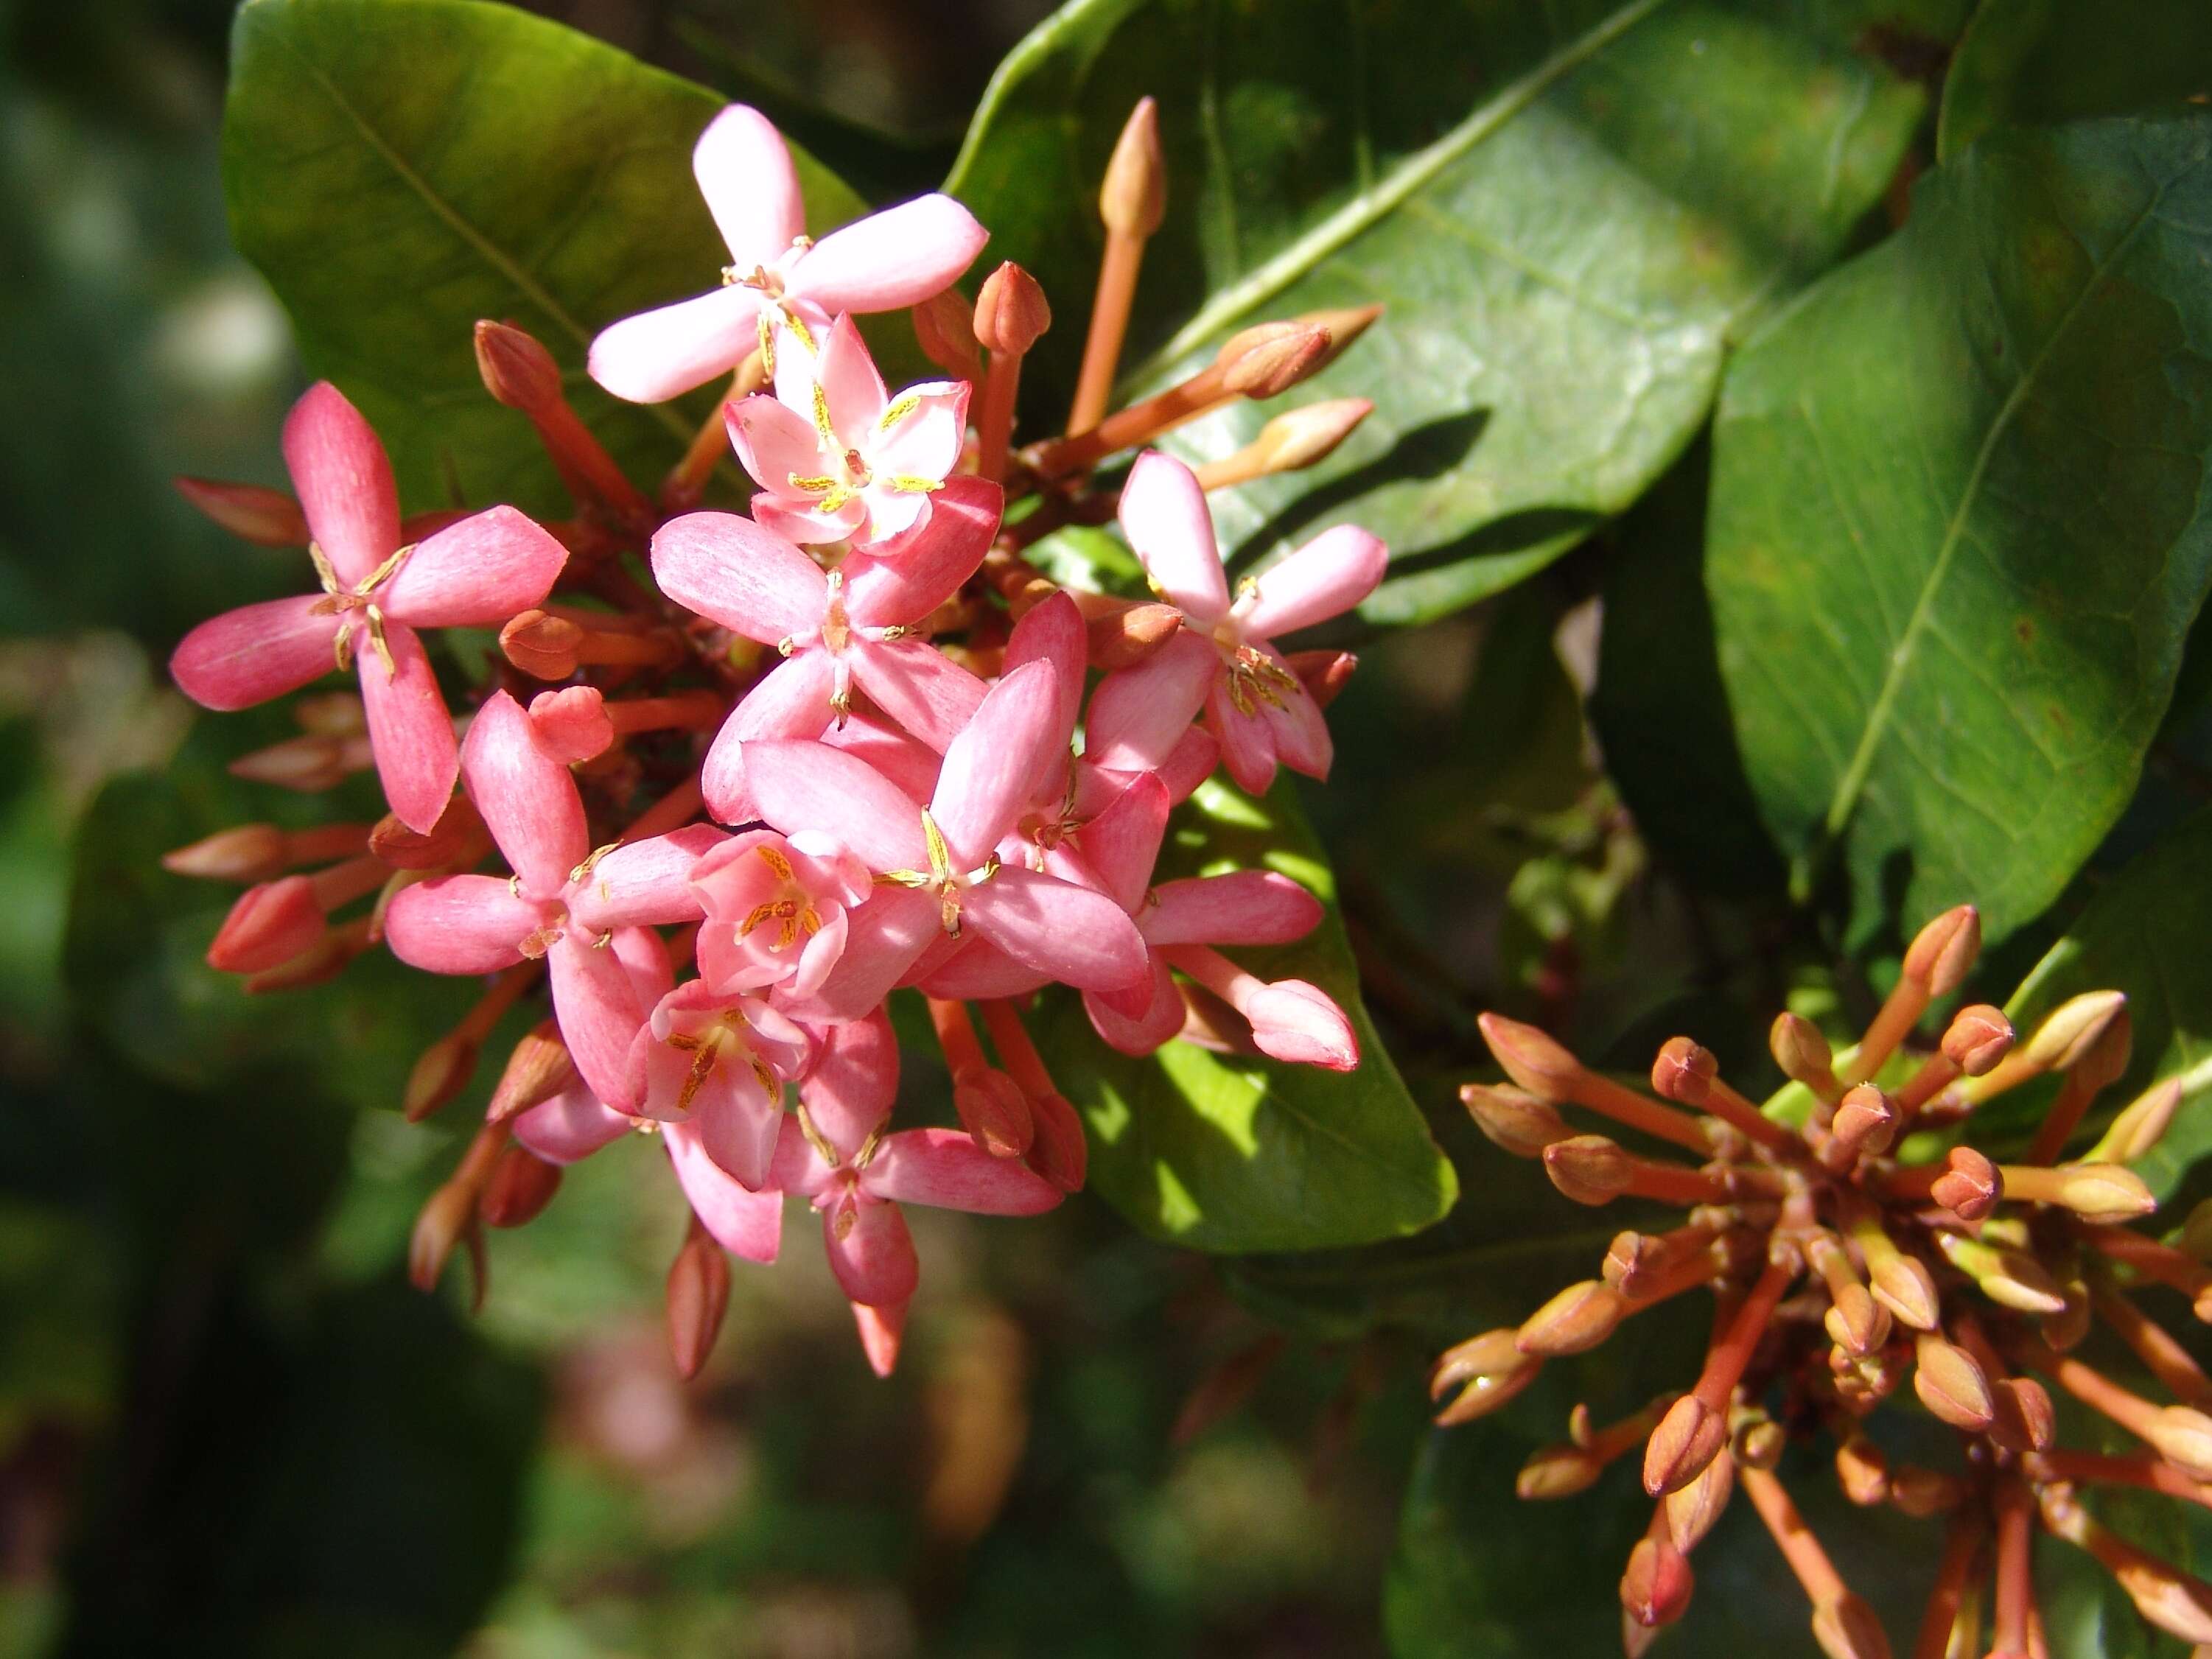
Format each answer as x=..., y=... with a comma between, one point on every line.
x=1956, y=537
x=2039, y=63
x=1568, y=209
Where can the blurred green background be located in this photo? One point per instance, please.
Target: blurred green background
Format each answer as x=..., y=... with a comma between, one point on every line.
x=227, y=1425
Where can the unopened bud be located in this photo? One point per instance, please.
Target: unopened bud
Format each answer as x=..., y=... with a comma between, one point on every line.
x=449, y=1212
x=1855, y=1321
x=440, y=1072
x=2103, y=1059
x=1970, y=1186
x=2140, y=1126
x=1058, y=1150
x=1267, y=361
x=1487, y=1370
x=1011, y=312
x=1687, y=1438
x=251, y=852
x=1846, y=1628
x=542, y=645
x=2103, y=1191
x=522, y=1184
x=1692, y=1510
x=269, y=517
x=1345, y=324
x=309, y=763
x=1922, y=1492
x=1861, y=1470
x=572, y=724
x=991, y=1108
x=538, y=1069
x=1952, y=1385
x=1122, y=639
x=2067, y=1329
x=268, y=926
x=1866, y=1120
x=1942, y=952
x=1133, y=198
x=1802, y=1052
x=1760, y=1442
x=1575, y=1321
x=943, y=324
x=1977, y=1037
x=698, y=1295
x=1295, y=438
x=517, y=370
x=1557, y=1472
x=2183, y=1436
x=1539, y=1063
x=1513, y=1119
x=2071, y=1028
x=1903, y=1285
x=1684, y=1072
x=402, y=849
x=1656, y=1585
x=319, y=964
x=1589, y=1168
x=2025, y=1418
x=1323, y=673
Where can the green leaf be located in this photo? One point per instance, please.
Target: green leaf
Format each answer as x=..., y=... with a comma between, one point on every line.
x=2040, y=62
x=1957, y=531
x=2145, y=934
x=400, y=168
x=1540, y=362
x=1234, y=1154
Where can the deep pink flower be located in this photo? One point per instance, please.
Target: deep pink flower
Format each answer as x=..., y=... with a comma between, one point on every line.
x=939, y=866
x=776, y=910
x=717, y=1062
x=776, y=276
x=847, y=628
x=563, y=902
x=376, y=593
x=1225, y=660
x=837, y=458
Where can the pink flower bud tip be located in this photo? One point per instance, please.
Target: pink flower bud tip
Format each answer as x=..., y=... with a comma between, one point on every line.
x=1299, y=1023
x=1688, y=1437
x=268, y=516
x=1011, y=312
x=1978, y=1039
x=1942, y=952
x=698, y=1296
x=251, y=852
x=268, y=925
x=993, y=1109
x=517, y=370
x=522, y=1184
x=572, y=723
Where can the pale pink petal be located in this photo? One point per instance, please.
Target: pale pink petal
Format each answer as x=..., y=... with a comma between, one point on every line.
x=732, y=571
x=910, y=763
x=1139, y=1034
x=775, y=441
x=343, y=479
x=883, y=939
x=882, y=1330
x=1245, y=906
x=798, y=1168
x=745, y=173
x=791, y=701
x=993, y=767
x=1325, y=578
x=979, y=970
x=748, y=1224
x=926, y=442
x=664, y=353
x=899, y=585
x=1139, y=714
x=889, y=260
x=1053, y=632
x=797, y=519
x=645, y=884
x=1122, y=843
x=1164, y=514
x=736, y=1120
x=810, y=786
x=869, y=1250
x=1300, y=1023
x=410, y=733
x=476, y=574
x=945, y=1170
x=850, y=385
x=1299, y=731
x=891, y=514
x=1189, y=763
x=600, y=1014
x=254, y=654
x=921, y=688
x=572, y=1124
x=1248, y=744
x=854, y=1078
x=644, y=957
x=819, y=955
x=527, y=800
x=1079, y=937
x=460, y=924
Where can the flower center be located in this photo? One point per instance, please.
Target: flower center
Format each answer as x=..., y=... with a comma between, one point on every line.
x=339, y=599
x=941, y=878
x=722, y=1032
x=792, y=911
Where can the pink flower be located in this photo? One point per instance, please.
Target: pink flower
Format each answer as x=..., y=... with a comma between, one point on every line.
x=776, y=275
x=575, y=1123
x=564, y=902
x=717, y=1063
x=838, y=458
x=776, y=910
x=376, y=593
x=939, y=866
x=1225, y=660
x=849, y=626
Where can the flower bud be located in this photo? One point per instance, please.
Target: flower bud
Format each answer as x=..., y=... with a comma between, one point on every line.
x=1589, y=1168
x=1133, y=198
x=1267, y=361
x=698, y=1296
x=1532, y=1058
x=308, y=764
x=2070, y=1030
x=1855, y=1321
x=1977, y=1037
x=1866, y=1120
x=1846, y=1628
x=1514, y=1120
x=522, y=1184
x=2025, y=1418
x=1301, y=437
x=1575, y=1321
x=1970, y=1187
x=1942, y=952
x=269, y=517
x=1011, y=312
x=1656, y=1585
x=1692, y=1510
x=1323, y=673
x=1952, y=1385
x=2183, y=1436
x=1487, y=1369
x=267, y=926
x=1122, y=639
x=250, y=851
x=1557, y=1472
x=402, y=849
x=1058, y=1150
x=2140, y=1126
x=2009, y=1278
x=440, y=1072
x=319, y=964
x=1684, y=1072
x=542, y=645
x=1903, y=1285
x=944, y=324
x=450, y=1212
x=572, y=724
x=1861, y=1470
x=2066, y=1330
x=1922, y=1492
x=1299, y=1023
x=538, y=1069
x=1802, y=1052
x=1688, y=1437
x=517, y=370
x=2104, y=1192
x=1760, y=1442
x=993, y=1108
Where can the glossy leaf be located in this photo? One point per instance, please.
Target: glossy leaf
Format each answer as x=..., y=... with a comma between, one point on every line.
x=1234, y=1154
x=400, y=168
x=1956, y=533
x=2038, y=63
x=1568, y=209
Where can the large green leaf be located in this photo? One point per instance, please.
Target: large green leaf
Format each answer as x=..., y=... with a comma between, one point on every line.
x=1225, y=1153
x=1567, y=208
x=400, y=168
x=1957, y=531
x=2042, y=62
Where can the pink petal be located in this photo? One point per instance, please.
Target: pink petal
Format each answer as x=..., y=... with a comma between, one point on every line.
x=1325, y=578
x=645, y=884
x=883, y=939
x=918, y=686
x=993, y=768
x=1299, y=730
x=737, y=1123
x=460, y=924
x=854, y=1078
x=899, y=585
x=851, y=387
x=869, y=1250
x=476, y=574
x=945, y=1170
x=270, y=923
x=889, y=260
x=1143, y=1033
x=1300, y=1023
x=748, y=1224
x=1079, y=937
x=1053, y=632
x=1248, y=743
x=526, y=798
x=745, y=173
x=410, y=731
x=662, y=354
x=254, y=654
x=927, y=442
x=343, y=479
x=1189, y=763
x=572, y=723
x=798, y=520
x=882, y=1330
x=792, y=699
x=1164, y=514
x=1245, y=907
x=644, y=957
x=910, y=763
x=810, y=786
x=572, y=1124
x=978, y=971
x=600, y=1014
x=1139, y=714
x=1122, y=843
x=775, y=441
x=732, y=571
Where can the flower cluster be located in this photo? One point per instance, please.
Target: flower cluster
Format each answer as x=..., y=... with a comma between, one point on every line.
x=831, y=750
x=1840, y=1271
